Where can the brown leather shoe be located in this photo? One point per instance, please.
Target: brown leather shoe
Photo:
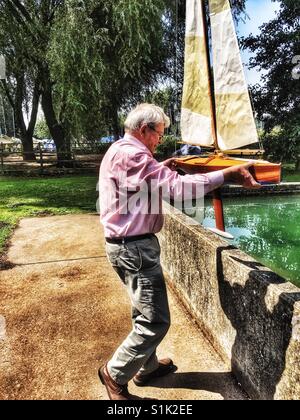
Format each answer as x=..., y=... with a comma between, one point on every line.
x=165, y=367
x=115, y=391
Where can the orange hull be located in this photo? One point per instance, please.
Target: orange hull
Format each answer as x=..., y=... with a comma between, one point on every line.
x=264, y=172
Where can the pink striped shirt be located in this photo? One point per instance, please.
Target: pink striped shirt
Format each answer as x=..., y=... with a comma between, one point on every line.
x=132, y=185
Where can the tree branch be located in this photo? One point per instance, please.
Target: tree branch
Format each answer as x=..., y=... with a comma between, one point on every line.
x=22, y=16
x=19, y=105
x=22, y=10
x=34, y=107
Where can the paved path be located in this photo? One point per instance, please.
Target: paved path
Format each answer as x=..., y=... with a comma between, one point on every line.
x=63, y=311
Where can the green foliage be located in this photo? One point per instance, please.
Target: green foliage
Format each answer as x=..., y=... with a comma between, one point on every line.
x=98, y=57
x=135, y=57
x=19, y=46
x=41, y=130
x=277, y=101
x=90, y=147
x=6, y=117
x=167, y=147
x=101, y=55
x=76, y=64
x=166, y=99
x=289, y=174
x=282, y=144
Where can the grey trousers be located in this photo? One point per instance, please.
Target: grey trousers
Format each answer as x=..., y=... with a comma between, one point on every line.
x=138, y=266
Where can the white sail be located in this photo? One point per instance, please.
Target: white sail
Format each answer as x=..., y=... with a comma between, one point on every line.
x=196, y=127
x=235, y=121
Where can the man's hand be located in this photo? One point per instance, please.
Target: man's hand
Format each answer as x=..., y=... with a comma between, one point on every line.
x=171, y=164
x=240, y=175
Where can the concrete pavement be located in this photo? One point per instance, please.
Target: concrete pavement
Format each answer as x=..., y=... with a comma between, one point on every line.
x=63, y=312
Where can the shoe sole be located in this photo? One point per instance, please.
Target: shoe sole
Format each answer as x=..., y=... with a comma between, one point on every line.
x=173, y=369
x=101, y=377
x=100, y=374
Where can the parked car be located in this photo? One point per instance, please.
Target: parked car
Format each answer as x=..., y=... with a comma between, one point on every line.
x=107, y=139
x=48, y=145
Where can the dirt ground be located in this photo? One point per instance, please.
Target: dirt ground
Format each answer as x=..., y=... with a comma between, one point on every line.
x=63, y=312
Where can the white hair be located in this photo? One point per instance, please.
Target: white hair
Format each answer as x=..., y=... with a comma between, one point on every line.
x=146, y=114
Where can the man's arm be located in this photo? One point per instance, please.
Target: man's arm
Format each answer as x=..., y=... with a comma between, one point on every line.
x=236, y=174
x=240, y=175
x=145, y=170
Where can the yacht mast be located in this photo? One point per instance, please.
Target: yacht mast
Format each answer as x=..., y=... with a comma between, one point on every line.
x=210, y=78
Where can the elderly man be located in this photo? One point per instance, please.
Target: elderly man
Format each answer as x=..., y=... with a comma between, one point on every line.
x=127, y=169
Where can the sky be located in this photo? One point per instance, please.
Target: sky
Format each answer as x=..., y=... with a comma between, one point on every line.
x=259, y=12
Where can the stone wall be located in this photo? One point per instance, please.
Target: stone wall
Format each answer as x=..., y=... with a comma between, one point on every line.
x=249, y=314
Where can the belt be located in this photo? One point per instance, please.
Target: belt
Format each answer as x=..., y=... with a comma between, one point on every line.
x=129, y=239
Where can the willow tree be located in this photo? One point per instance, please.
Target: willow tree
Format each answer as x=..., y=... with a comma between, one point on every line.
x=28, y=32
x=135, y=56
x=21, y=87
x=71, y=91
x=88, y=59
x=101, y=56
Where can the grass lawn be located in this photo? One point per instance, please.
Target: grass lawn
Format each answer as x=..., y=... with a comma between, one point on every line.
x=25, y=197
x=289, y=174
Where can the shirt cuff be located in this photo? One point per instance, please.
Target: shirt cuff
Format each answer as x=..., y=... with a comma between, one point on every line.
x=216, y=179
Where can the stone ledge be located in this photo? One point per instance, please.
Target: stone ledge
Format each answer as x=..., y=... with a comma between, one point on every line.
x=273, y=189
x=249, y=314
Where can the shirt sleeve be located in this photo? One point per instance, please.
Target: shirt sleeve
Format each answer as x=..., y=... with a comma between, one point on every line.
x=145, y=172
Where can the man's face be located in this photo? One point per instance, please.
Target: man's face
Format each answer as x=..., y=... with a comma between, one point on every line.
x=153, y=136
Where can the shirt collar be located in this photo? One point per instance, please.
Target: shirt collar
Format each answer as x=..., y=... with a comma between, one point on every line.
x=137, y=143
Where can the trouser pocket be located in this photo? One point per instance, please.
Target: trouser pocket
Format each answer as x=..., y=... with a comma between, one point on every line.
x=130, y=258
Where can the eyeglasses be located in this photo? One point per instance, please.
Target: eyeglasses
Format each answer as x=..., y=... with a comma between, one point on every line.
x=160, y=136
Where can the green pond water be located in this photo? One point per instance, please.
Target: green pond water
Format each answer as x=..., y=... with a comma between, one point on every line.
x=267, y=228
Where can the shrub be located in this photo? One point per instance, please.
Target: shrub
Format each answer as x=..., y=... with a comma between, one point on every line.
x=167, y=147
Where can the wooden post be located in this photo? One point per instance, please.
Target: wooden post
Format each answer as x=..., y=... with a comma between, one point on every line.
x=41, y=159
x=2, y=158
x=219, y=212
x=74, y=160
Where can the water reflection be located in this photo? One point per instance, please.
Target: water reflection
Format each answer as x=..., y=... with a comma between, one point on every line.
x=268, y=228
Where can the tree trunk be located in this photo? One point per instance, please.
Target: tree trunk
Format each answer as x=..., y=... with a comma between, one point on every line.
x=62, y=143
x=298, y=164
x=64, y=155
x=25, y=135
x=28, y=153
x=57, y=132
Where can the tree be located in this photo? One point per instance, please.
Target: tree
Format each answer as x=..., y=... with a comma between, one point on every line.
x=21, y=88
x=41, y=129
x=134, y=58
x=87, y=60
x=277, y=101
x=30, y=29
x=6, y=117
x=71, y=87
